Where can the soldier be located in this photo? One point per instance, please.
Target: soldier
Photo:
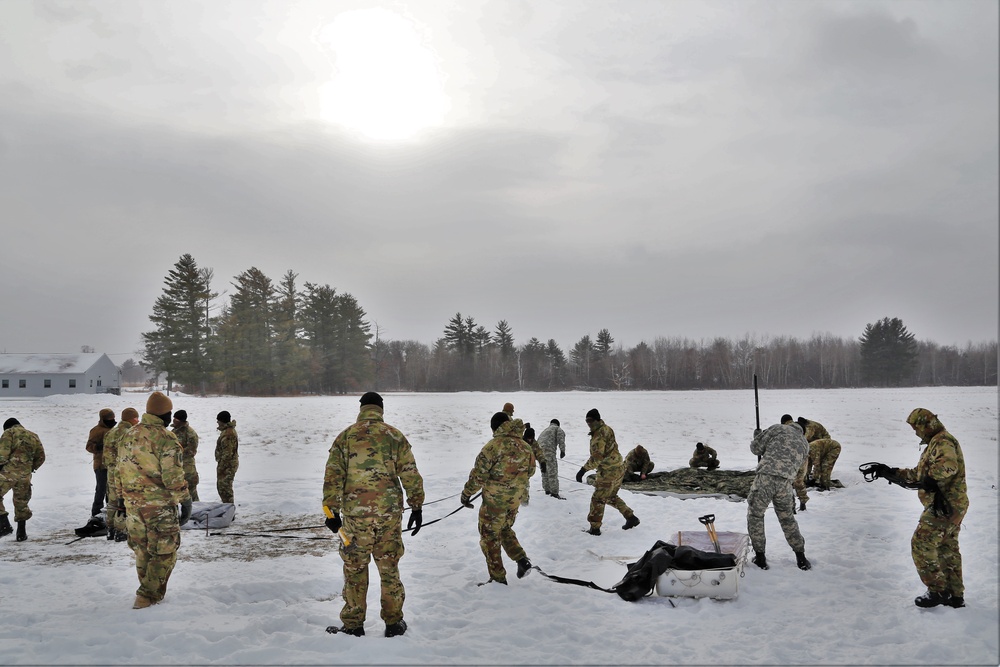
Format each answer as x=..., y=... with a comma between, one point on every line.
x=189, y=444
x=607, y=460
x=704, y=457
x=536, y=450
x=368, y=462
x=149, y=481
x=823, y=453
x=21, y=454
x=940, y=478
x=95, y=445
x=550, y=439
x=227, y=456
x=112, y=444
x=781, y=449
x=637, y=464
x=502, y=470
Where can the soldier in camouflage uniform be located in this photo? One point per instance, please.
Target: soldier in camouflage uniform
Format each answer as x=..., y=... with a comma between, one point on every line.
x=149, y=480
x=112, y=443
x=189, y=443
x=940, y=478
x=637, y=464
x=781, y=448
x=607, y=460
x=502, y=470
x=823, y=453
x=369, y=462
x=227, y=456
x=536, y=449
x=704, y=457
x=549, y=440
x=21, y=454
x=95, y=445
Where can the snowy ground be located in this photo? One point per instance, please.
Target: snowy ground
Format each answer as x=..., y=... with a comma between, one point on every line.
x=267, y=600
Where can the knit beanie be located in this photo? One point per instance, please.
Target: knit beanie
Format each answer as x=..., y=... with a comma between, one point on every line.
x=498, y=419
x=594, y=415
x=785, y=419
x=106, y=413
x=223, y=417
x=371, y=398
x=555, y=421
x=699, y=446
x=802, y=421
x=10, y=422
x=128, y=414
x=158, y=404
x=180, y=415
x=508, y=408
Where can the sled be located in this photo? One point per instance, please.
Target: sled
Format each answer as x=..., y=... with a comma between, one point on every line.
x=717, y=583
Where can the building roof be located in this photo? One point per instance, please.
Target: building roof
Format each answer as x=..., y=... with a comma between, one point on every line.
x=48, y=362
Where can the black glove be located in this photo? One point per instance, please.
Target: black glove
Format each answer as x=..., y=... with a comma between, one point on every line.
x=416, y=520
x=465, y=501
x=334, y=523
x=562, y=455
x=882, y=470
x=580, y=473
x=541, y=464
x=185, y=512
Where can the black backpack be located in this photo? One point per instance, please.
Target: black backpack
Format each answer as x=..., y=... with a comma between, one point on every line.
x=641, y=577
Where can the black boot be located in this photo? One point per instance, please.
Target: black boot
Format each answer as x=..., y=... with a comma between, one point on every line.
x=523, y=567
x=802, y=505
x=631, y=522
x=112, y=534
x=956, y=601
x=395, y=629
x=121, y=536
x=594, y=531
x=760, y=560
x=22, y=535
x=802, y=561
x=344, y=630
x=932, y=599
x=5, y=528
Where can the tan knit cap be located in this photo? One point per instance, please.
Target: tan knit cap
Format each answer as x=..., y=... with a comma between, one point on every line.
x=158, y=404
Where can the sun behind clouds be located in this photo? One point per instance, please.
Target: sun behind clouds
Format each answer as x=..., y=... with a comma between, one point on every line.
x=387, y=85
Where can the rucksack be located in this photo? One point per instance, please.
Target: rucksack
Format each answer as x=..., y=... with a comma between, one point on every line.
x=641, y=577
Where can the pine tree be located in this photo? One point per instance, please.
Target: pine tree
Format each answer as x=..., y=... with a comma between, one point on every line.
x=246, y=332
x=888, y=353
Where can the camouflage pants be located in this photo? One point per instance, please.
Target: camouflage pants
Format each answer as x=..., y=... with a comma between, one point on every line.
x=379, y=538
x=550, y=478
x=496, y=531
x=800, y=482
x=765, y=490
x=155, y=536
x=710, y=464
x=934, y=547
x=225, y=473
x=21, y=496
x=191, y=477
x=606, y=493
x=113, y=521
x=823, y=455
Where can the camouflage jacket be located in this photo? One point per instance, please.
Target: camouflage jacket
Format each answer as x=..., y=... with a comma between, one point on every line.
x=815, y=431
x=150, y=471
x=113, y=441
x=552, y=438
x=228, y=444
x=943, y=462
x=604, y=455
x=21, y=452
x=502, y=468
x=189, y=443
x=706, y=455
x=95, y=444
x=782, y=449
x=368, y=462
x=638, y=461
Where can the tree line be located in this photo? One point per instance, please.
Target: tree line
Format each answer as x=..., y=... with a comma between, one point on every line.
x=285, y=339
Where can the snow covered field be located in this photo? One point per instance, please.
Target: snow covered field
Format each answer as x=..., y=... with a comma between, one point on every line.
x=267, y=600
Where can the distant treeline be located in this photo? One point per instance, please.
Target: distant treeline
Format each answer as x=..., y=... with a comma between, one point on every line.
x=278, y=339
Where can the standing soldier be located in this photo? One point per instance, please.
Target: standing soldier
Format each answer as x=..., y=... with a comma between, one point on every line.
x=940, y=478
x=189, y=444
x=637, y=464
x=150, y=484
x=21, y=454
x=502, y=470
x=95, y=445
x=367, y=463
x=781, y=449
x=536, y=450
x=607, y=460
x=112, y=446
x=704, y=457
x=552, y=438
x=227, y=456
x=823, y=453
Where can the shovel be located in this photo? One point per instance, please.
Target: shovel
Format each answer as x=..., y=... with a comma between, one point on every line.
x=709, y=521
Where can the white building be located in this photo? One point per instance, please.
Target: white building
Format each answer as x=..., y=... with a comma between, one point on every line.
x=32, y=375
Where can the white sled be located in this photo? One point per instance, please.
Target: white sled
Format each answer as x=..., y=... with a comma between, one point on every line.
x=718, y=583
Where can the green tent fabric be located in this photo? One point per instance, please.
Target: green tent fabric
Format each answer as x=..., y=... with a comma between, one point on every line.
x=696, y=482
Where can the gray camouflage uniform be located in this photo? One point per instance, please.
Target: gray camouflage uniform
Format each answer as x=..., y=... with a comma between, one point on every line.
x=782, y=449
x=552, y=438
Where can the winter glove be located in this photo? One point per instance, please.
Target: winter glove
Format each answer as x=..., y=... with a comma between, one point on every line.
x=541, y=464
x=185, y=512
x=562, y=455
x=882, y=470
x=416, y=520
x=580, y=473
x=334, y=523
x=465, y=501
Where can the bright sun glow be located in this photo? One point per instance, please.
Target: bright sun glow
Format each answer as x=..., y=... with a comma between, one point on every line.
x=387, y=84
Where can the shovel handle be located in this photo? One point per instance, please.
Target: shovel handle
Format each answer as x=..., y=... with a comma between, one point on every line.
x=707, y=519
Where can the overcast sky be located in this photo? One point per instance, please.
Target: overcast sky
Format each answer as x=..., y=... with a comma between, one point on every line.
x=663, y=168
